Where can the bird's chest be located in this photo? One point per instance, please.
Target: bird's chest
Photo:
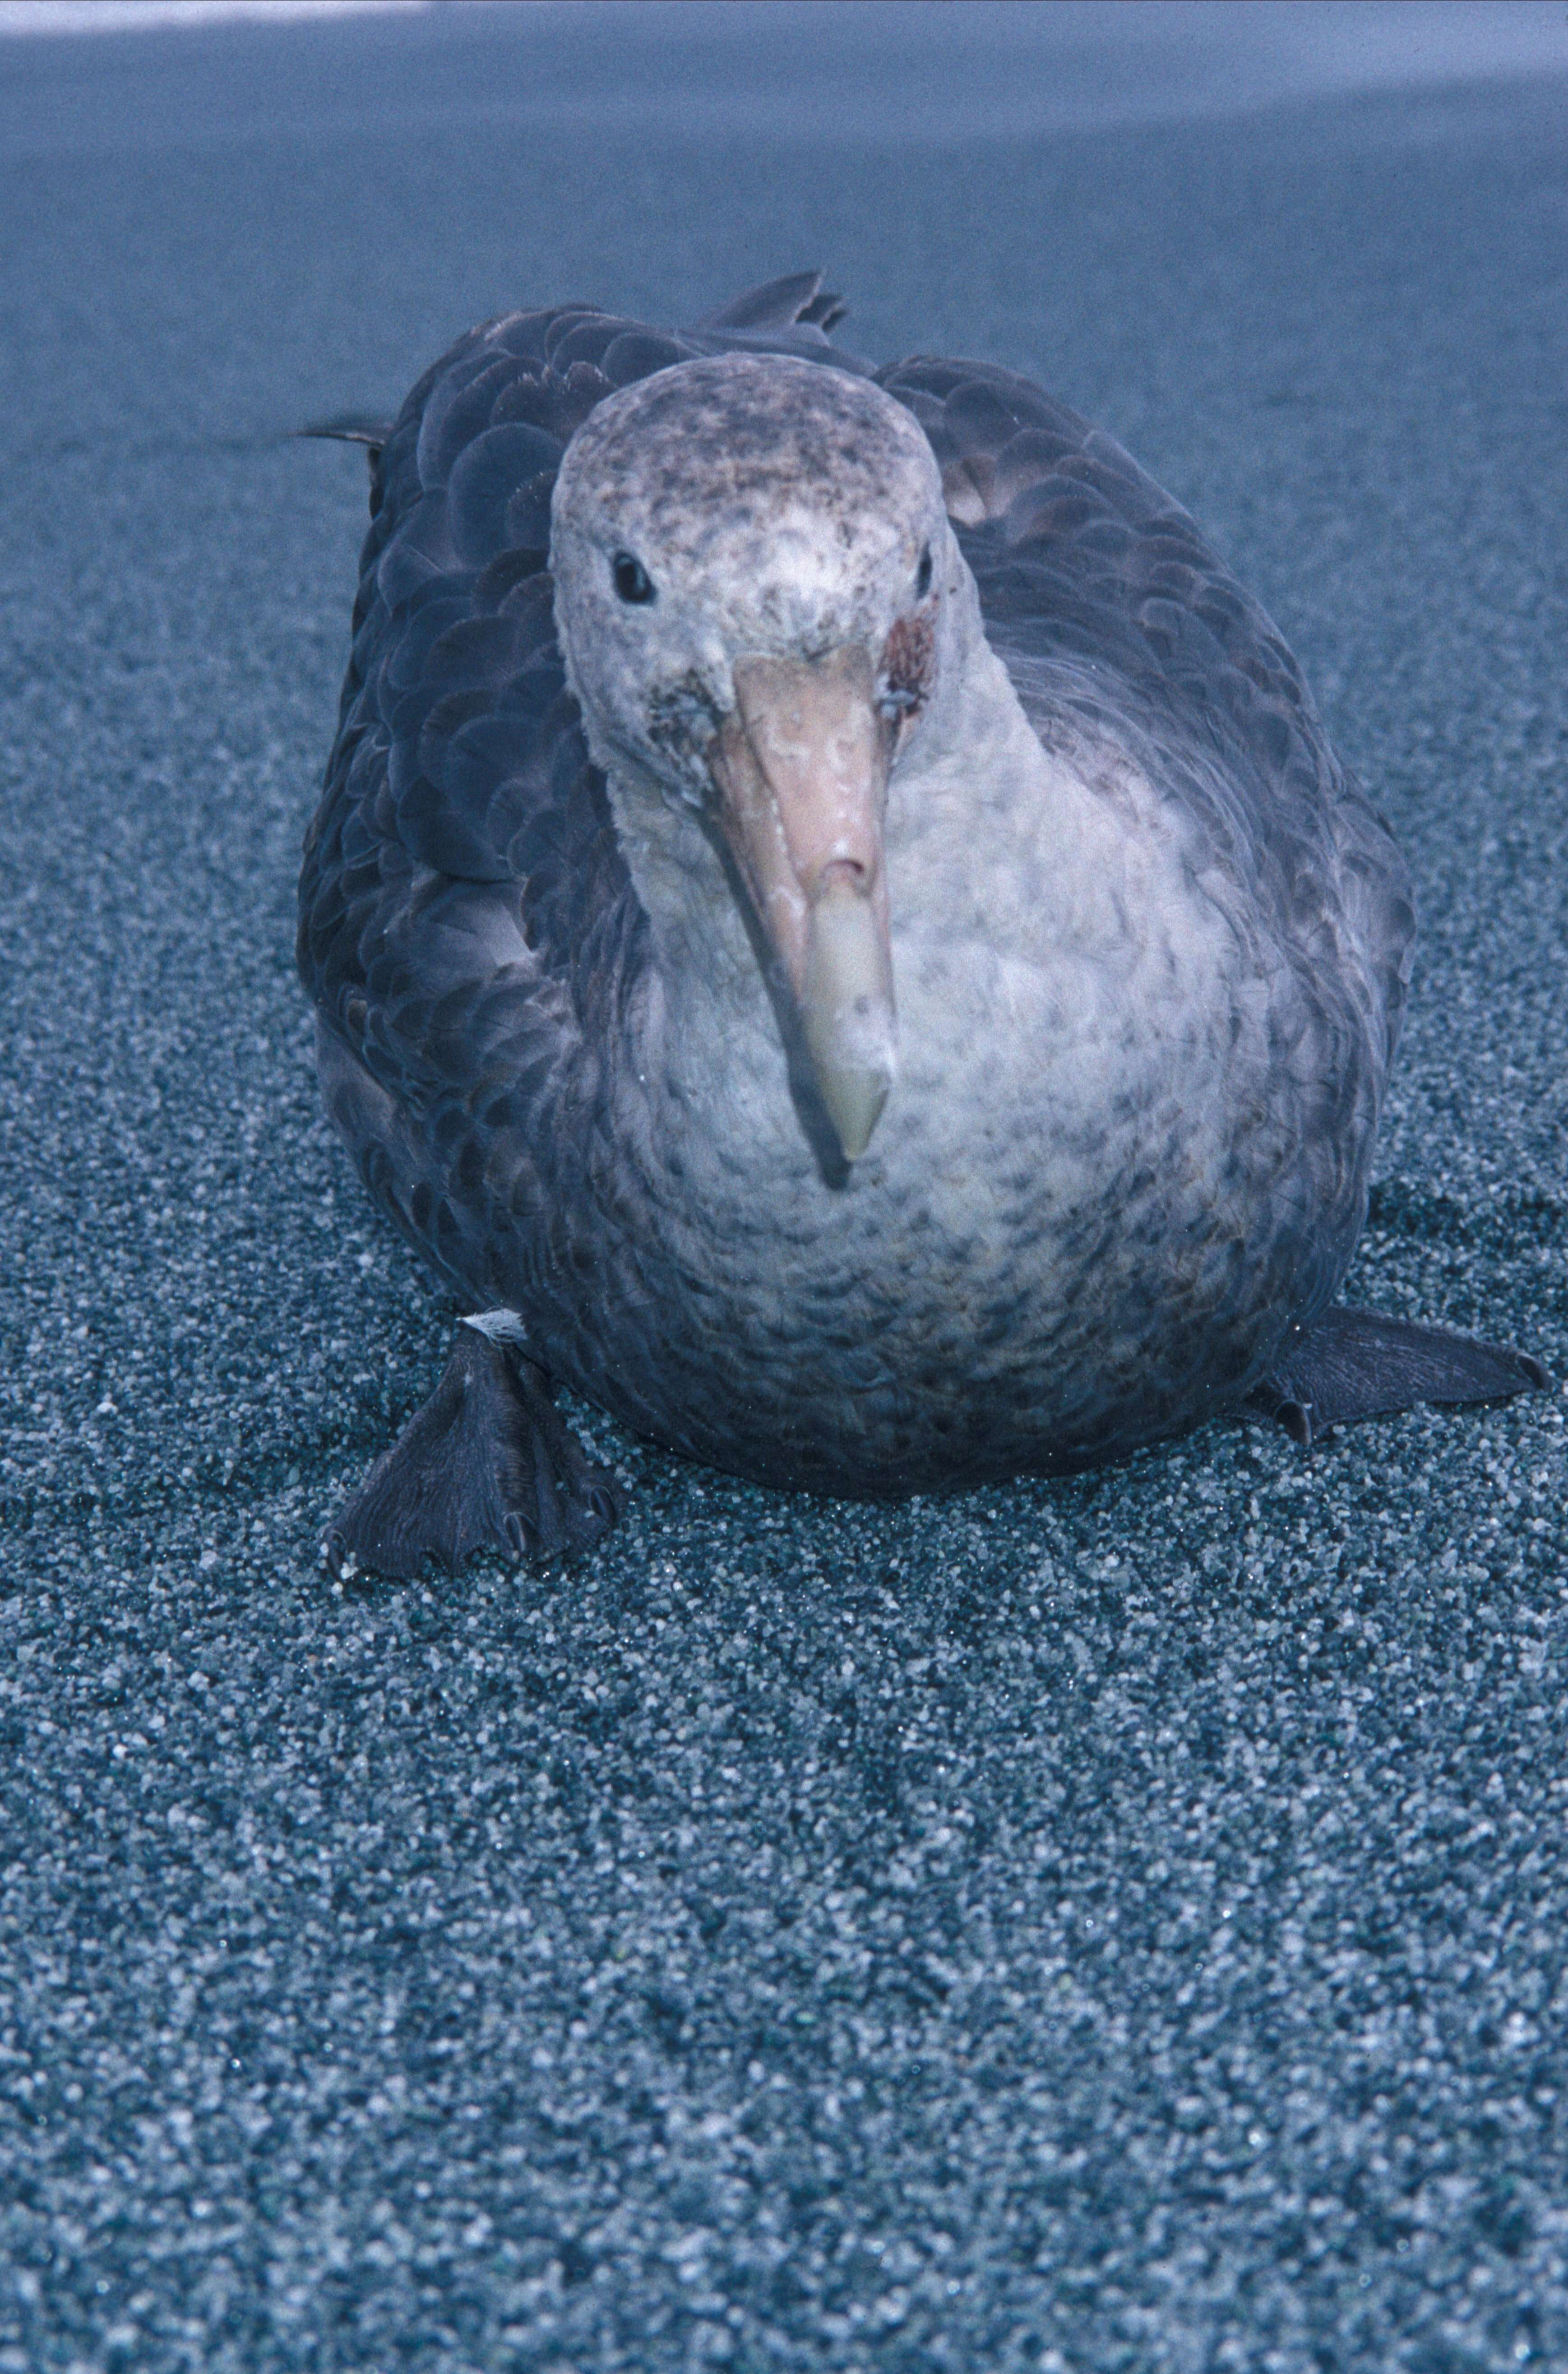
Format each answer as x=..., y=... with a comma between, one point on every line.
x=1078, y=1033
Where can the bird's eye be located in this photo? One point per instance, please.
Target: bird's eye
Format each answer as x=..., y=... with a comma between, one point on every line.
x=923, y=575
x=632, y=582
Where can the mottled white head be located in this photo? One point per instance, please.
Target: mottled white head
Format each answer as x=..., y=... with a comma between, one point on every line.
x=754, y=571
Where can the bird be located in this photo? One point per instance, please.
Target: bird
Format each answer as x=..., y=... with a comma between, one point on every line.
x=837, y=934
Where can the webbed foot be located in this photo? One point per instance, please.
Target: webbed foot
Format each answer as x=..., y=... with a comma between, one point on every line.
x=1356, y=1364
x=487, y=1463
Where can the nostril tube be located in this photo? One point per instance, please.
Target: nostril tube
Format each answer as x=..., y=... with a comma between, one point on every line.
x=843, y=876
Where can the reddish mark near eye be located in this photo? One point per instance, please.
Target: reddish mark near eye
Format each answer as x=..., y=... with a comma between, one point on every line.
x=906, y=662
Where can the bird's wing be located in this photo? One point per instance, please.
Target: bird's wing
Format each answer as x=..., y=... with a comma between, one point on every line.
x=468, y=929
x=1115, y=617
x=796, y=299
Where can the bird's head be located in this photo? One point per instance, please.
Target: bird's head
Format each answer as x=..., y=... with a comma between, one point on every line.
x=752, y=559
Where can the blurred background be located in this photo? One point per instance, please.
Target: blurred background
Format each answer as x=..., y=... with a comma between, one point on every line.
x=896, y=69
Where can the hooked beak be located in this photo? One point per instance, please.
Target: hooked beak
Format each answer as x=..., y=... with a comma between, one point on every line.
x=802, y=769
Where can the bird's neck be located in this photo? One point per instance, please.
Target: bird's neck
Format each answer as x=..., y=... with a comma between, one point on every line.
x=953, y=789
x=700, y=930
x=711, y=1037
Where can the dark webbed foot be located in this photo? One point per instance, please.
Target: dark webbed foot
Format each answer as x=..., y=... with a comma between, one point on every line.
x=487, y=1463
x=1356, y=1364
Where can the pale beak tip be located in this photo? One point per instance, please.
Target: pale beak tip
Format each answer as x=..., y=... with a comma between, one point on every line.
x=854, y=1103
x=847, y=1007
